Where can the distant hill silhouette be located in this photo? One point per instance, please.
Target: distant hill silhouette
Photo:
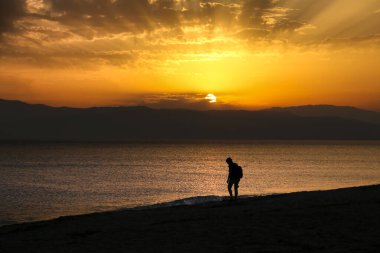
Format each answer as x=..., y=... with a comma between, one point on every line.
x=346, y=112
x=21, y=121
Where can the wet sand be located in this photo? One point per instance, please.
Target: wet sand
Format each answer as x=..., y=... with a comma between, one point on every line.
x=343, y=220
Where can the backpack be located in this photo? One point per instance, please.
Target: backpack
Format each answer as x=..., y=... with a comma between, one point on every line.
x=239, y=172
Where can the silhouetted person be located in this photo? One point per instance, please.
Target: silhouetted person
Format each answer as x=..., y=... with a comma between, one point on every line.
x=235, y=173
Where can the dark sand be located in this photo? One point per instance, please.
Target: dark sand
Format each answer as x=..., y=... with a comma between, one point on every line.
x=344, y=220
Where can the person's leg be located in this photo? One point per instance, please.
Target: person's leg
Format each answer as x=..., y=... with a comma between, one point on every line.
x=230, y=189
x=236, y=187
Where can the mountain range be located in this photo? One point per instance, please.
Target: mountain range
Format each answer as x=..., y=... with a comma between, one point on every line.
x=26, y=122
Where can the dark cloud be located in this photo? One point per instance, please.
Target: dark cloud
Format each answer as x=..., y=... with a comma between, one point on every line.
x=266, y=18
x=249, y=33
x=69, y=57
x=114, y=16
x=211, y=12
x=89, y=18
x=139, y=15
x=253, y=12
x=193, y=101
x=10, y=11
x=287, y=25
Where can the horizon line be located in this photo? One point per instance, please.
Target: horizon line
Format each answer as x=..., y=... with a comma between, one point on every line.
x=188, y=109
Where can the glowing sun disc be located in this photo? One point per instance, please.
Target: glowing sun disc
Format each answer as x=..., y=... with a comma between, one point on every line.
x=211, y=98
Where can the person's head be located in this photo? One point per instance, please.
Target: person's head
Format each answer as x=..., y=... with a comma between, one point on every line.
x=229, y=160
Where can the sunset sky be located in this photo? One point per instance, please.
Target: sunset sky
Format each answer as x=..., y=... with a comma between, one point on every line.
x=172, y=53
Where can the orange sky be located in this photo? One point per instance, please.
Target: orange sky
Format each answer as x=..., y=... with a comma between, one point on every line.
x=172, y=53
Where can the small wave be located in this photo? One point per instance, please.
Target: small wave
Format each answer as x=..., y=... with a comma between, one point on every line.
x=193, y=201
x=187, y=201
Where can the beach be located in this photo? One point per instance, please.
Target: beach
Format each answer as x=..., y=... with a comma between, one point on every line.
x=342, y=220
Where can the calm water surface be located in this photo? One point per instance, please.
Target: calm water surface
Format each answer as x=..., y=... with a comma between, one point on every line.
x=43, y=181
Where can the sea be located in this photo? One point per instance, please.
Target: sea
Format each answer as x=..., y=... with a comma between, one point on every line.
x=41, y=181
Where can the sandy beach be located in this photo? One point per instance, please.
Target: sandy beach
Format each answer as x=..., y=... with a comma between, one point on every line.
x=343, y=220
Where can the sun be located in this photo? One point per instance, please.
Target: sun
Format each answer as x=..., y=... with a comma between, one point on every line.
x=211, y=98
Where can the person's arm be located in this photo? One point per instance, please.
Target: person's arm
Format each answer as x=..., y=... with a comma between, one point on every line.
x=228, y=179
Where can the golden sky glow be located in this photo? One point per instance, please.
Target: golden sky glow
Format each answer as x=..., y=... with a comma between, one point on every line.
x=172, y=53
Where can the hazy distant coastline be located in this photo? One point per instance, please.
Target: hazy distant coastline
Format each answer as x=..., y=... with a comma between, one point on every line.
x=24, y=122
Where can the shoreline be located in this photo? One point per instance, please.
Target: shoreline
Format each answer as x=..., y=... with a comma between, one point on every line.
x=189, y=201
x=343, y=219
